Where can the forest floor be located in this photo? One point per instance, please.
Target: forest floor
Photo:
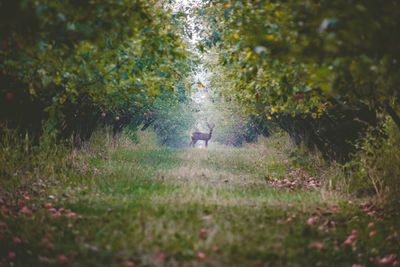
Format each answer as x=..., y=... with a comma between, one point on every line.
x=144, y=205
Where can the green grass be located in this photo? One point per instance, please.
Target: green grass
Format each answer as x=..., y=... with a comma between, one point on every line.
x=147, y=205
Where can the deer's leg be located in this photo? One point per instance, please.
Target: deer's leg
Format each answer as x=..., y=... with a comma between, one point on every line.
x=193, y=142
x=206, y=143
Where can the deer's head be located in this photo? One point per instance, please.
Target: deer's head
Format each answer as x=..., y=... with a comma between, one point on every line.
x=211, y=127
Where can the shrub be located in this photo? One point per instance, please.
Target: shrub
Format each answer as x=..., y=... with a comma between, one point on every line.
x=376, y=168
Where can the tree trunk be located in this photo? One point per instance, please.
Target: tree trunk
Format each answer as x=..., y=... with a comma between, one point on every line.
x=392, y=113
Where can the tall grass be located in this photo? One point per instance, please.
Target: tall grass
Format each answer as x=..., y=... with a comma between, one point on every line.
x=121, y=203
x=23, y=162
x=376, y=166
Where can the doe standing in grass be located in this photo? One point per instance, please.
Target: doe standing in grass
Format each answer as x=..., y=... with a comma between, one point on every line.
x=196, y=136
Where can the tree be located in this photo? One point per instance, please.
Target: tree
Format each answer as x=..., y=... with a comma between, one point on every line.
x=68, y=62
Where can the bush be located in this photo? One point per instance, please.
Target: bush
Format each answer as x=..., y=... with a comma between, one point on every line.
x=376, y=168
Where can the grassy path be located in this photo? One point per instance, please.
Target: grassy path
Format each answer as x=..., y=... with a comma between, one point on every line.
x=152, y=206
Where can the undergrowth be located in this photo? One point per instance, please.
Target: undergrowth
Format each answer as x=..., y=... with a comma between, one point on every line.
x=116, y=203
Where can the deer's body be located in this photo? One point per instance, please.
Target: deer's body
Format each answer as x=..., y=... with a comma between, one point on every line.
x=196, y=136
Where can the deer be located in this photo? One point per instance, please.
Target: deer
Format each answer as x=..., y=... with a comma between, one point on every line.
x=196, y=136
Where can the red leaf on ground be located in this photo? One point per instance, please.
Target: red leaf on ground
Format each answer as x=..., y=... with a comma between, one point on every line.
x=129, y=263
x=16, y=240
